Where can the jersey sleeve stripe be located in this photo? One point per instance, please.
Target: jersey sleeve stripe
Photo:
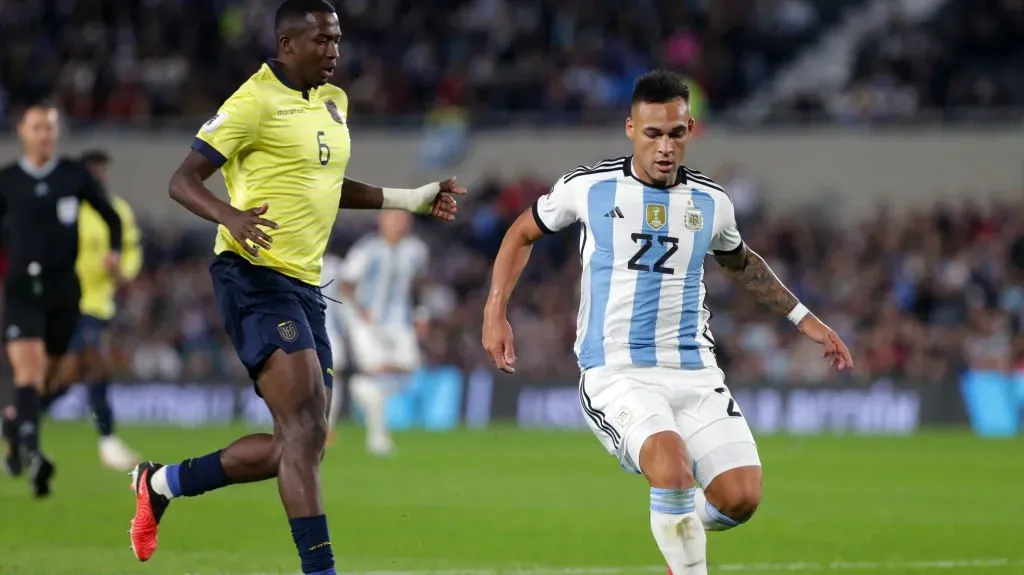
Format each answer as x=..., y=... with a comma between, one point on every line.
x=540, y=223
x=209, y=152
x=733, y=251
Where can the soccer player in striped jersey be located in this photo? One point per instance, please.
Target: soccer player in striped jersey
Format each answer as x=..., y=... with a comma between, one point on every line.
x=650, y=387
x=383, y=272
x=281, y=142
x=337, y=333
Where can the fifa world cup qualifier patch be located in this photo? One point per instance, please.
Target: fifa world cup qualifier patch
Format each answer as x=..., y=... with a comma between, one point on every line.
x=214, y=122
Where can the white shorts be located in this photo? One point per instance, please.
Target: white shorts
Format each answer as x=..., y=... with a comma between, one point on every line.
x=378, y=348
x=336, y=333
x=625, y=405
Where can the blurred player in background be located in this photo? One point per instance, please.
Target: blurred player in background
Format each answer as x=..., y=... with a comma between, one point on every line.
x=88, y=360
x=383, y=275
x=39, y=209
x=281, y=142
x=337, y=333
x=651, y=389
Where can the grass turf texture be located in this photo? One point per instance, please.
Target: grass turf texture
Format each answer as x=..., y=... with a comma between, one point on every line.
x=508, y=500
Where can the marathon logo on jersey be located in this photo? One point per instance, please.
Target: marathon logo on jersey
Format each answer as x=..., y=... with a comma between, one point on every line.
x=694, y=220
x=656, y=216
x=336, y=114
x=288, y=331
x=214, y=122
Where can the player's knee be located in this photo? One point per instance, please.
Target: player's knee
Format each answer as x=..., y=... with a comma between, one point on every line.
x=306, y=429
x=737, y=493
x=663, y=461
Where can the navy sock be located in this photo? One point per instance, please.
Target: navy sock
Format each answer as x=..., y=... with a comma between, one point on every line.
x=47, y=400
x=197, y=475
x=26, y=403
x=100, y=407
x=314, y=544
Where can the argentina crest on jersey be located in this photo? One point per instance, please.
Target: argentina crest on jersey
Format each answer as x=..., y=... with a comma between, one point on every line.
x=336, y=114
x=694, y=218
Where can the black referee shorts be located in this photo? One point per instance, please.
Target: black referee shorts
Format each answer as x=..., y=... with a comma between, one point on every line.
x=47, y=311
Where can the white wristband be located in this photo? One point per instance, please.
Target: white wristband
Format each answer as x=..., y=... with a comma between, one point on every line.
x=798, y=313
x=415, y=200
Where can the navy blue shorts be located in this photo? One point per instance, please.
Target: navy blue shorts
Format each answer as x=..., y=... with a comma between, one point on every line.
x=264, y=310
x=89, y=332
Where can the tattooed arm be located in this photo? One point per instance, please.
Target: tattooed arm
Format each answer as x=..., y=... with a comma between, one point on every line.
x=750, y=272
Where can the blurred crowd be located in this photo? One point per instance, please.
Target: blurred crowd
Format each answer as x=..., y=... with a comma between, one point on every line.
x=919, y=295
x=133, y=60
x=966, y=59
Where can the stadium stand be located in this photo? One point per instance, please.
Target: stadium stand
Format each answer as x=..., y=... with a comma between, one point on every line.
x=134, y=60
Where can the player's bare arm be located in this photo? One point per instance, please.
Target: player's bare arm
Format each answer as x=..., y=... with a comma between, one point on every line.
x=188, y=188
x=434, y=199
x=508, y=266
x=751, y=272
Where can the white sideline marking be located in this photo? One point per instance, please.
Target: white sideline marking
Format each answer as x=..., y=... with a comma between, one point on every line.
x=832, y=566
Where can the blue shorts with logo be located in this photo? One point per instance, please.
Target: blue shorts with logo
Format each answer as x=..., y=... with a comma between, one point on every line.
x=89, y=333
x=264, y=310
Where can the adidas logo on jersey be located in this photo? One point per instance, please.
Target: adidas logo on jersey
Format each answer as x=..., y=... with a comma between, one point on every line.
x=616, y=213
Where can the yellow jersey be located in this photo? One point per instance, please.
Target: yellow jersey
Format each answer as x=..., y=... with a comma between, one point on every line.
x=98, y=287
x=287, y=148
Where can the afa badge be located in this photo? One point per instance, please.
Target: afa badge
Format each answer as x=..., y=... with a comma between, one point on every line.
x=656, y=216
x=288, y=331
x=694, y=218
x=336, y=114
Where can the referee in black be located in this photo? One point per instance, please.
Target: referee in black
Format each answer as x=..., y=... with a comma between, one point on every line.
x=39, y=200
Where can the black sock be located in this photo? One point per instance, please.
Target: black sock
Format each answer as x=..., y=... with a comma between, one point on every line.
x=26, y=402
x=313, y=543
x=101, y=407
x=47, y=400
x=197, y=475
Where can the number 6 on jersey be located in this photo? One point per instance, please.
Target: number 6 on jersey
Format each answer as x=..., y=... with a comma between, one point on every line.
x=325, y=150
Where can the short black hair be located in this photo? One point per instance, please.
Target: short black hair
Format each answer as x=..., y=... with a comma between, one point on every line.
x=37, y=105
x=659, y=87
x=95, y=157
x=290, y=12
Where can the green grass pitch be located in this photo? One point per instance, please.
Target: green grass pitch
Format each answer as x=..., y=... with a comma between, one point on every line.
x=536, y=503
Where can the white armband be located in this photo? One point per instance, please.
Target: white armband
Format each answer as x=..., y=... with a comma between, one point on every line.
x=416, y=200
x=798, y=313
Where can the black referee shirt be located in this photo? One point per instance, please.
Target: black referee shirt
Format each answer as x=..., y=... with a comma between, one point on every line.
x=39, y=214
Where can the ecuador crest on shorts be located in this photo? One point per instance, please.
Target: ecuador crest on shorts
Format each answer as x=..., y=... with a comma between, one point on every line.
x=656, y=216
x=288, y=331
x=336, y=114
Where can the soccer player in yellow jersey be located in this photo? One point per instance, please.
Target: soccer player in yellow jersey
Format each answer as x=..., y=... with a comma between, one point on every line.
x=282, y=144
x=87, y=359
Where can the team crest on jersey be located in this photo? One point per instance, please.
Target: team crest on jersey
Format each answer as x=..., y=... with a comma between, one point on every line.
x=336, y=114
x=694, y=219
x=67, y=210
x=288, y=331
x=656, y=216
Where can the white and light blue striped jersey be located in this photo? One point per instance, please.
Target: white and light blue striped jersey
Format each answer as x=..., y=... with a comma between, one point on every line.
x=332, y=276
x=642, y=250
x=384, y=275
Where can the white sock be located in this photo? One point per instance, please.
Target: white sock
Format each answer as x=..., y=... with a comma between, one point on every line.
x=710, y=516
x=678, y=531
x=370, y=397
x=159, y=483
